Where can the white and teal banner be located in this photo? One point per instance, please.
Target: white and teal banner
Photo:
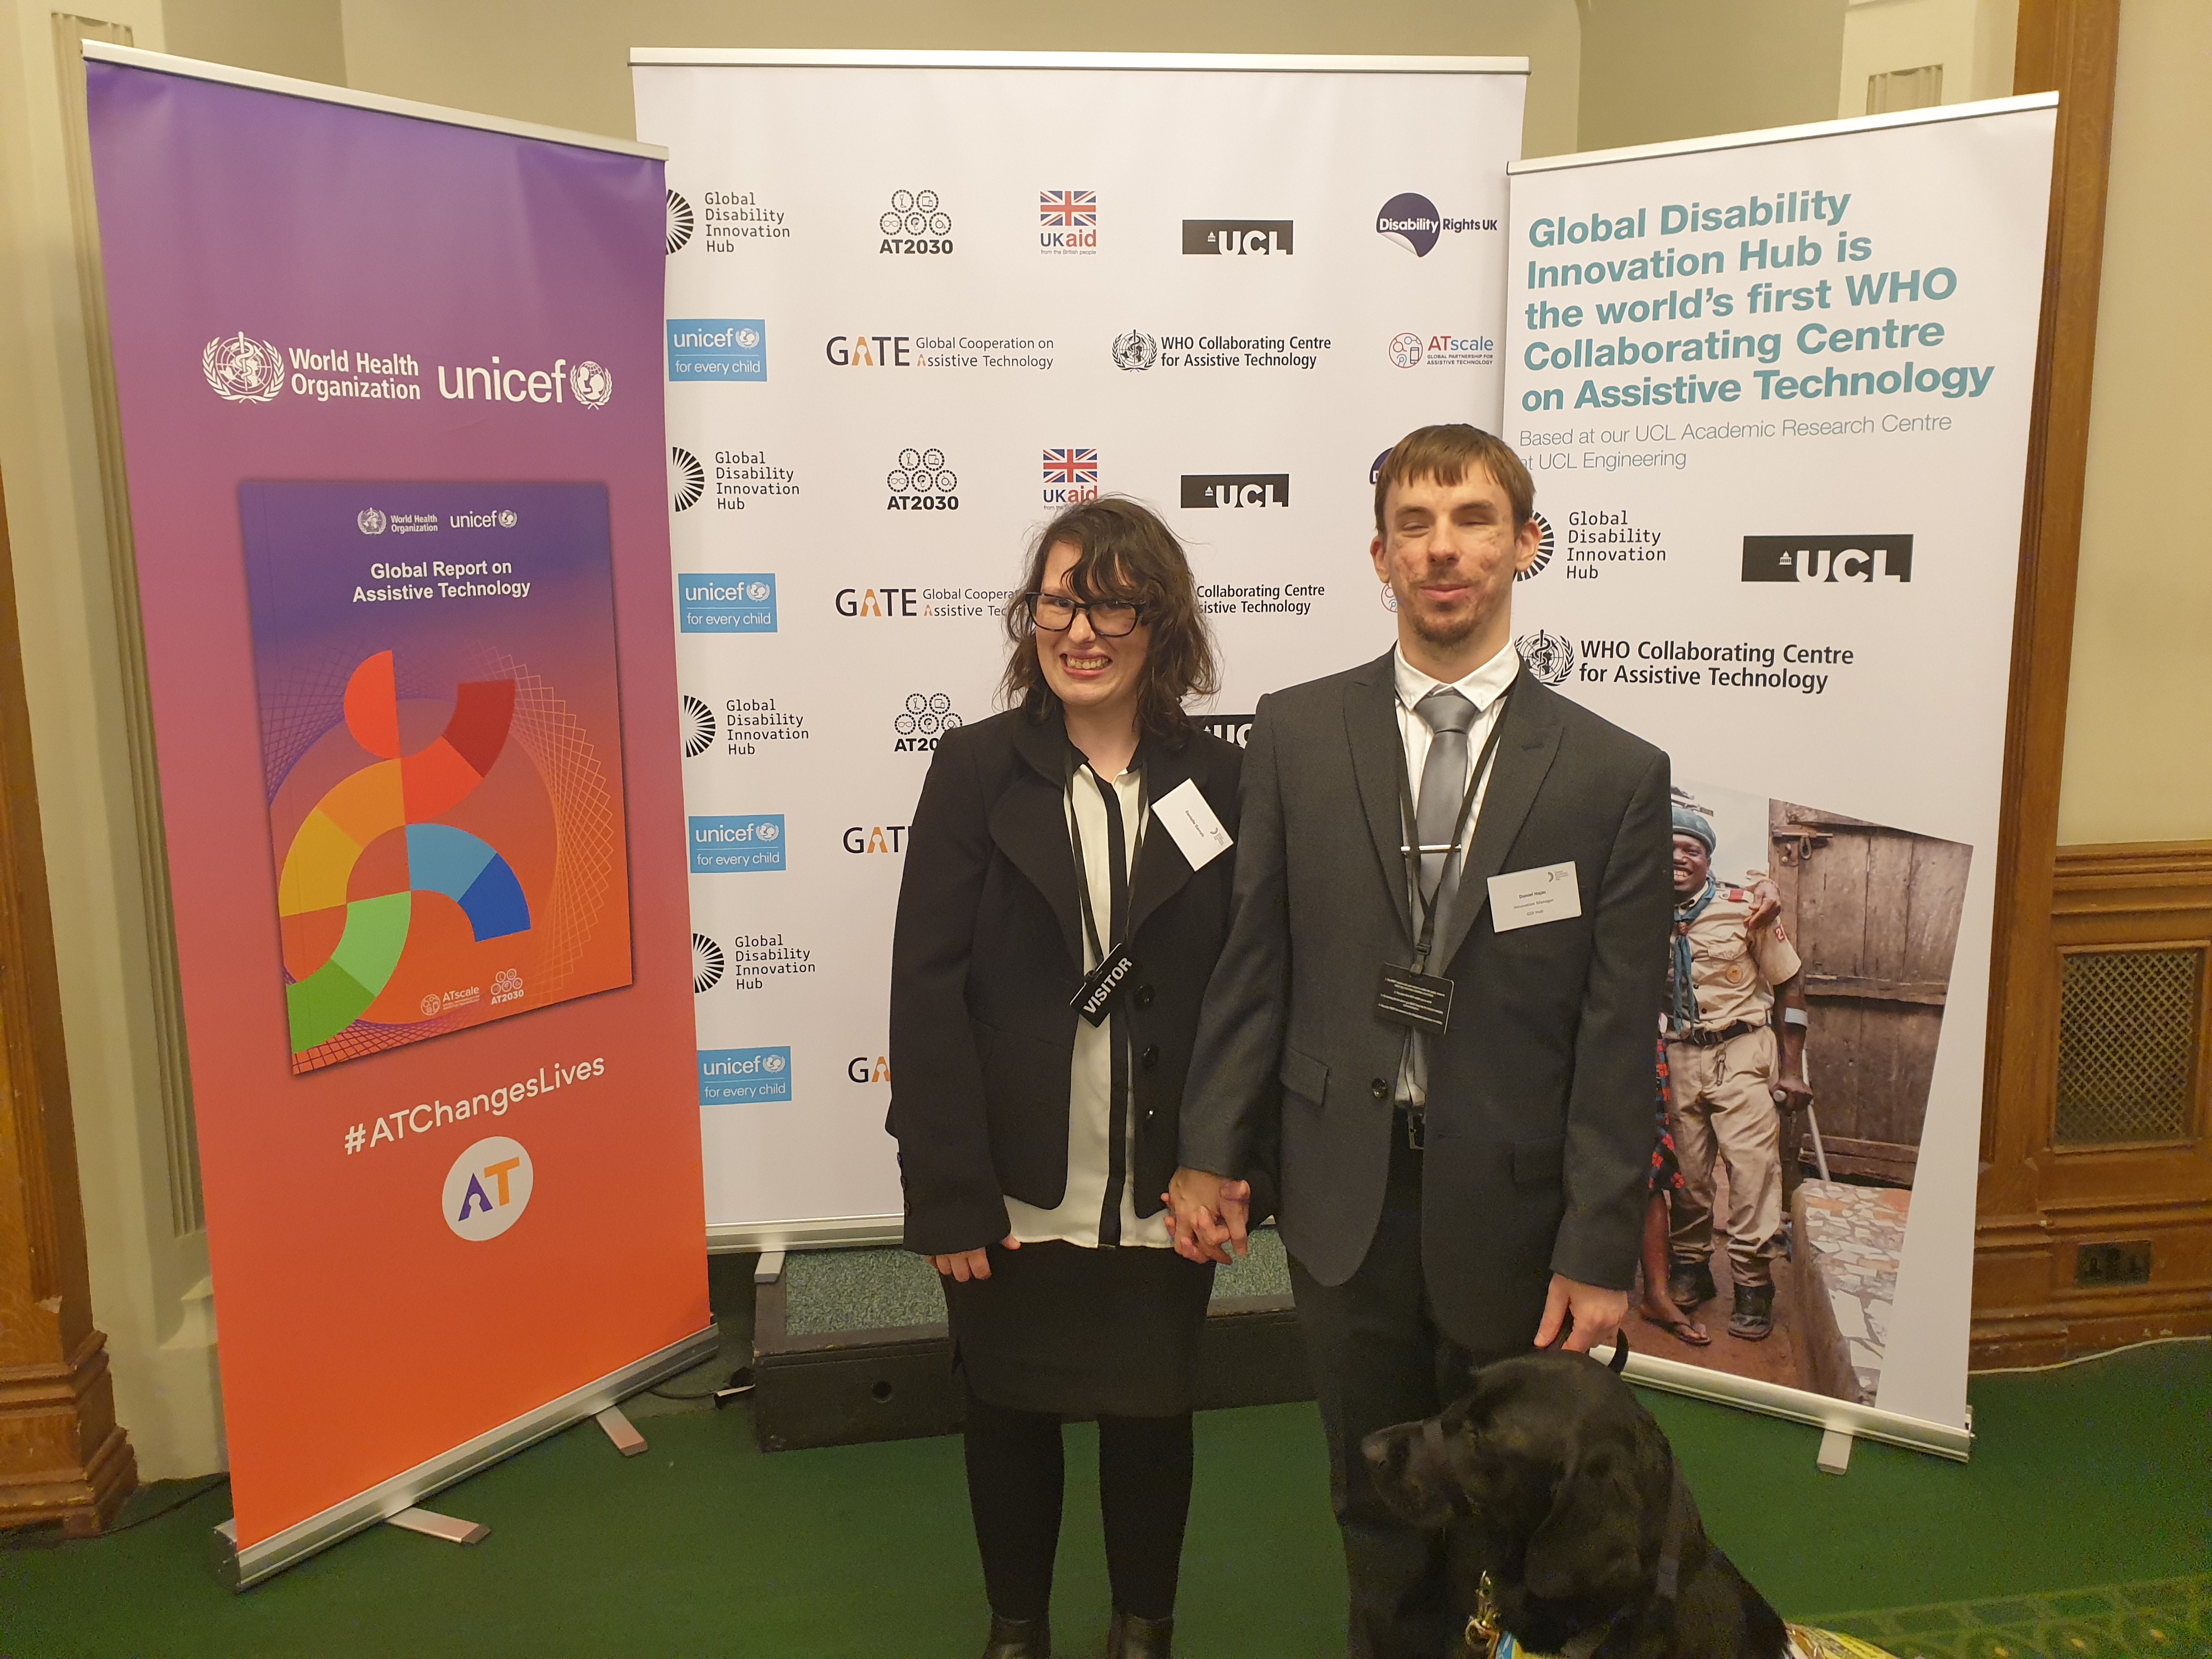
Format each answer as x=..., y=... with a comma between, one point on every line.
x=1774, y=391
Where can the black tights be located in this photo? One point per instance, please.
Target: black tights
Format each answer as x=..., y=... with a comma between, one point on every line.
x=1015, y=1475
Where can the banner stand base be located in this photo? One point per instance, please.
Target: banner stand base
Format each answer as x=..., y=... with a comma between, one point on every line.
x=1839, y=1419
x=242, y=1569
x=431, y=1524
x=1834, y=1457
x=619, y=1429
x=843, y=1232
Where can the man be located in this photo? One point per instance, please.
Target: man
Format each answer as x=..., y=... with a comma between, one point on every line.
x=1731, y=965
x=1453, y=1188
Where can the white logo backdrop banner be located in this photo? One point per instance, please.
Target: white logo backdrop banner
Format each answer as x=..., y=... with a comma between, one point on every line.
x=1775, y=391
x=917, y=307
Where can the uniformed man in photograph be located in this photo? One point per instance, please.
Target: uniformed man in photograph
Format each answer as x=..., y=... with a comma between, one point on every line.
x=1733, y=1075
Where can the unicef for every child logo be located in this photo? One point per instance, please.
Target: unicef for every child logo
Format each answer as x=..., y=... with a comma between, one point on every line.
x=593, y=386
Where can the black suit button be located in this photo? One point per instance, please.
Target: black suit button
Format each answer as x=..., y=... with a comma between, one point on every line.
x=1144, y=996
x=1150, y=1057
x=1377, y=1087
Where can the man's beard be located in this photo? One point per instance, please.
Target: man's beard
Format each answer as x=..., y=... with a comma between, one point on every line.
x=1434, y=629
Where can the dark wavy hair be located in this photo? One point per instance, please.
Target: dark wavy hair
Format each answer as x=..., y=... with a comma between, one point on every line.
x=1126, y=553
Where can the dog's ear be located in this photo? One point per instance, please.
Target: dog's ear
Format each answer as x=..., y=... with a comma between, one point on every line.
x=1587, y=1545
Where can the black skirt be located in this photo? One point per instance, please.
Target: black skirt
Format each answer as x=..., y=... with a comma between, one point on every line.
x=1081, y=1332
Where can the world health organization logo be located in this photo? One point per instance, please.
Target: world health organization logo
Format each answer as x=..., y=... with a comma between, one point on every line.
x=371, y=521
x=243, y=371
x=1550, y=658
x=1543, y=547
x=1135, y=350
x=593, y=387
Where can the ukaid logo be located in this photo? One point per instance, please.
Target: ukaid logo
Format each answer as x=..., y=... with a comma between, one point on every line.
x=923, y=482
x=1238, y=236
x=487, y=1189
x=1067, y=220
x=1410, y=220
x=737, y=844
x=1236, y=490
x=1827, y=558
x=916, y=222
x=732, y=602
x=1070, y=476
x=738, y=1077
x=717, y=349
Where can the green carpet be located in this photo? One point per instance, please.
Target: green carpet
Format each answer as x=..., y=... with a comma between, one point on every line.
x=2079, y=1528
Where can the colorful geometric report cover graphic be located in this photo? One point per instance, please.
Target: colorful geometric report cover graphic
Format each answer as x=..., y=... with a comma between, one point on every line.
x=441, y=721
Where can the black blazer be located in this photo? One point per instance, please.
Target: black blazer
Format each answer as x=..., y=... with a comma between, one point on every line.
x=988, y=949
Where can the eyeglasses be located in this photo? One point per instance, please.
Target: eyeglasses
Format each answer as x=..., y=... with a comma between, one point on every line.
x=1110, y=618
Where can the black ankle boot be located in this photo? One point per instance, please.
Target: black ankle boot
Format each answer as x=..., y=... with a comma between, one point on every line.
x=1019, y=1639
x=1131, y=1637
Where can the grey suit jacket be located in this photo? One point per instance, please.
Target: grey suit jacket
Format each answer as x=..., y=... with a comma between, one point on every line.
x=1540, y=1097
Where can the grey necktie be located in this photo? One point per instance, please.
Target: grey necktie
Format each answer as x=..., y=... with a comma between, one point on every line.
x=1444, y=786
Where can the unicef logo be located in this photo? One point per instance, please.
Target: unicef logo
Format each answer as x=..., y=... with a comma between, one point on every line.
x=1543, y=547
x=758, y=592
x=1406, y=350
x=768, y=831
x=243, y=371
x=487, y=1189
x=773, y=1062
x=593, y=386
x=1134, y=351
x=749, y=338
x=1550, y=658
x=371, y=521
x=508, y=517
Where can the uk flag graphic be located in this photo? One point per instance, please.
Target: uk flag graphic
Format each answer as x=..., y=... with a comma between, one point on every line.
x=1069, y=475
x=1067, y=220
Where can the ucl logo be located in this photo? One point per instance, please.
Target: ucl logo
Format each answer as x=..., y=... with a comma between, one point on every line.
x=1070, y=476
x=1237, y=236
x=1236, y=490
x=1825, y=559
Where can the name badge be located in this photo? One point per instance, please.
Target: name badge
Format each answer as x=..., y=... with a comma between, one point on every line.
x=1094, y=998
x=1521, y=898
x=1419, y=1002
x=1190, y=823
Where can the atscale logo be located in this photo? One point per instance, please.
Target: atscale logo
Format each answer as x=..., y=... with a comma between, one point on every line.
x=917, y=223
x=1135, y=350
x=1237, y=489
x=371, y=521
x=242, y=370
x=923, y=482
x=1550, y=658
x=679, y=221
x=1070, y=476
x=1410, y=350
x=1543, y=551
x=706, y=964
x=925, y=719
x=687, y=479
x=1238, y=236
x=699, y=729
x=1406, y=350
x=1827, y=558
x=487, y=1189
x=1067, y=220
x=1410, y=220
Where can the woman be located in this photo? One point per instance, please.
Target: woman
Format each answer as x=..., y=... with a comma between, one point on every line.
x=1034, y=1145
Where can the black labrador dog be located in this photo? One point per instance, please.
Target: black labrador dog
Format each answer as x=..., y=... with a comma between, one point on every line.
x=1576, y=1515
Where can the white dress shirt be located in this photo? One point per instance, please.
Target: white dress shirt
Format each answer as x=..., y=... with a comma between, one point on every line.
x=1091, y=1073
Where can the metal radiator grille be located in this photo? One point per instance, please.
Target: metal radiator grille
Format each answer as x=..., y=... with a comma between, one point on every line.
x=2127, y=1045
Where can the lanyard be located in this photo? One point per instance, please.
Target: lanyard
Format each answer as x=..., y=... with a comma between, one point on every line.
x=1075, y=841
x=1413, y=849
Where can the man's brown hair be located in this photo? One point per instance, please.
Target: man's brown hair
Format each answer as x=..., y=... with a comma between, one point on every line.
x=1445, y=453
x=1125, y=553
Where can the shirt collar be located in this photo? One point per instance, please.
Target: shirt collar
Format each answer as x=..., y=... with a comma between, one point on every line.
x=1481, y=688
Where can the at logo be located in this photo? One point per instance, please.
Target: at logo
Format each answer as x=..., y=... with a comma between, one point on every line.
x=1135, y=350
x=916, y=223
x=1236, y=490
x=1237, y=236
x=679, y=221
x=1070, y=476
x=698, y=727
x=1543, y=551
x=1410, y=220
x=925, y=719
x=1067, y=220
x=487, y=1189
x=688, y=478
x=708, y=962
x=1827, y=558
x=923, y=482
x=1550, y=658
x=371, y=521
x=593, y=386
x=881, y=838
x=242, y=370
x=1406, y=350
x=861, y=1069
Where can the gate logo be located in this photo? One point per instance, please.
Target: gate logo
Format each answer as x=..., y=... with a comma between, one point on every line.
x=879, y=602
x=1827, y=558
x=1550, y=658
x=880, y=838
x=1135, y=350
x=698, y=727
x=708, y=962
x=863, y=1069
x=487, y=1189
x=687, y=479
x=242, y=370
x=1067, y=220
x=923, y=482
x=680, y=222
x=725, y=602
x=737, y=1077
x=737, y=843
x=1410, y=220
x=1070, y=476
x=1264, y=237
x=1236, y=490
x=916, y=223
x=1543, y=550
x=925, y=719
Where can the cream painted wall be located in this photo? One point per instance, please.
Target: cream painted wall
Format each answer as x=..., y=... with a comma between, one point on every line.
x=1972, y=39
x=566, y=61
x=1655, y=70
x=2139, y=711
x=301, y=38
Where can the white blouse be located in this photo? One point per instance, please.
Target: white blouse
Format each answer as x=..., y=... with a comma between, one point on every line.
x=1091, y=1073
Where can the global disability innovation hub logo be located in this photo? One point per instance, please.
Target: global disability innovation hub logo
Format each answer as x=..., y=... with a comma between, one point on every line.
x=727, y=348
x=687, y=479
x=680, y=221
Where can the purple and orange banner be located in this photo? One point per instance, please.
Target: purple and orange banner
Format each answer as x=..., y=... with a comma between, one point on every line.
x=392, y=415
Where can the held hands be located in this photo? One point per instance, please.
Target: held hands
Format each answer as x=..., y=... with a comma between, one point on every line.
x=1597, y=1315
x=1211, y=1212
x=1765, y=903
x=964, y=1265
